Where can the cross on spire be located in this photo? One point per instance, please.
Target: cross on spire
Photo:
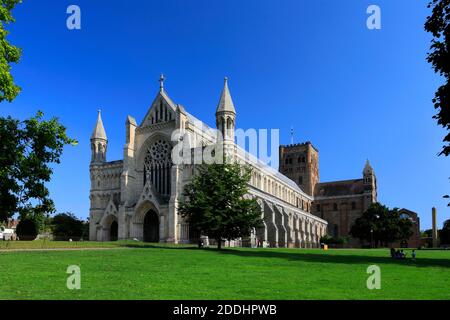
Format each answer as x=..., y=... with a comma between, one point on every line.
x=161, y=82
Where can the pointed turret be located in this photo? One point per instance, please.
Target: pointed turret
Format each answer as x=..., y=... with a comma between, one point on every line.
x=367, y=168
x=226, y=121
x=225, y=102
x=99, y=130
x=99, y=141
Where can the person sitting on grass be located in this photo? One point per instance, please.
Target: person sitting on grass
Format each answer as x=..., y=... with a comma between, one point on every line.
x=402, y=254
x=392, y=253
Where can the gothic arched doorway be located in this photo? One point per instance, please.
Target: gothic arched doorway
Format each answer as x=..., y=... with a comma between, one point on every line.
x=113, y=231
x=151, y=227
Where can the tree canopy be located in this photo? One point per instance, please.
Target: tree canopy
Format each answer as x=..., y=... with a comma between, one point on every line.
x=8, y=53
x=27, y=150
x=444, y=233
x=438, y=24
x=27, y=229
x=67, y=225
x=382, y=225
x=214, y=202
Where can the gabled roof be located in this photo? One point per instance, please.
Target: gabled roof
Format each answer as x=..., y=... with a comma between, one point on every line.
x=200, y=125
x=339, y=188
x=161, y=95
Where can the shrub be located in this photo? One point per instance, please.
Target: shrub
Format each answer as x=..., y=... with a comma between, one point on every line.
x=326, y=239
x=27, y=229
x=67, y=226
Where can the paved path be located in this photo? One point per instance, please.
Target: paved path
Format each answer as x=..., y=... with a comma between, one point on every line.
x=59, y=249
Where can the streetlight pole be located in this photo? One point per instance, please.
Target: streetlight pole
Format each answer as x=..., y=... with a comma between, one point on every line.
x=371, y=238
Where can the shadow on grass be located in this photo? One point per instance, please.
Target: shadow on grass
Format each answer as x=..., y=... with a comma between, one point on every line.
x=159, y=246
x=322, y=257
x=319, y=257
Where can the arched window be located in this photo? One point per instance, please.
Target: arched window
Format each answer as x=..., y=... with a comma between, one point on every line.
x=157, y=167
x=228, y=127
x=223, y=126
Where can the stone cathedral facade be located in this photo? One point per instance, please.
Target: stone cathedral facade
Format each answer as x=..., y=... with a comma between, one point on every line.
x=138, y=197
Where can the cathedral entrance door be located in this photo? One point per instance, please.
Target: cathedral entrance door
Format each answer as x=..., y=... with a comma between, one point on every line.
x=113, y=231
x=151, y=227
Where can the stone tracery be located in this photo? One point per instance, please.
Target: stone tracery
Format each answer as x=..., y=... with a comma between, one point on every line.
x=157, y=167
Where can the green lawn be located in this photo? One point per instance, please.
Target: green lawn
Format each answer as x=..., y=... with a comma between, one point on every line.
x=170, y=272
x=46, y=244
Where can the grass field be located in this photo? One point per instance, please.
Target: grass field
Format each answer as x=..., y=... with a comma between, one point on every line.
x=46, y=244
x=137, y=271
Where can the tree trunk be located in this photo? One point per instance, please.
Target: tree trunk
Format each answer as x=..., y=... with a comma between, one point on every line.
x=219, y=244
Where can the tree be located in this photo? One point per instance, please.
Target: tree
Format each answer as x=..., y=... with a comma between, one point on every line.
x=85, y=234
x=67, y=225
x=27, y=150
x=438, y=24
x=444, y=234
x=327, y=239
x=403, y=224
x=214, y=202
x=427, y=233
x=380, y=226
x=27, y=229
x=8, y=53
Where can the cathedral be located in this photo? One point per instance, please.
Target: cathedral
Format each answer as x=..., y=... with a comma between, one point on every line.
x=340, y=203
x=138, y=197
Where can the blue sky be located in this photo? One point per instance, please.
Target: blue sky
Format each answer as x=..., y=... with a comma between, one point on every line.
x=355, y=93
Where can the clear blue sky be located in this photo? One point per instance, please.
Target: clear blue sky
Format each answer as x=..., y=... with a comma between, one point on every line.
x=313, y=65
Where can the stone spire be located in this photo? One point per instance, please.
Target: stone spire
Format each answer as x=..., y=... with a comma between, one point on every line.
x=225, y=102
x=99, y=141
x=99, y=130
x=225, y=123
x=368, y=168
